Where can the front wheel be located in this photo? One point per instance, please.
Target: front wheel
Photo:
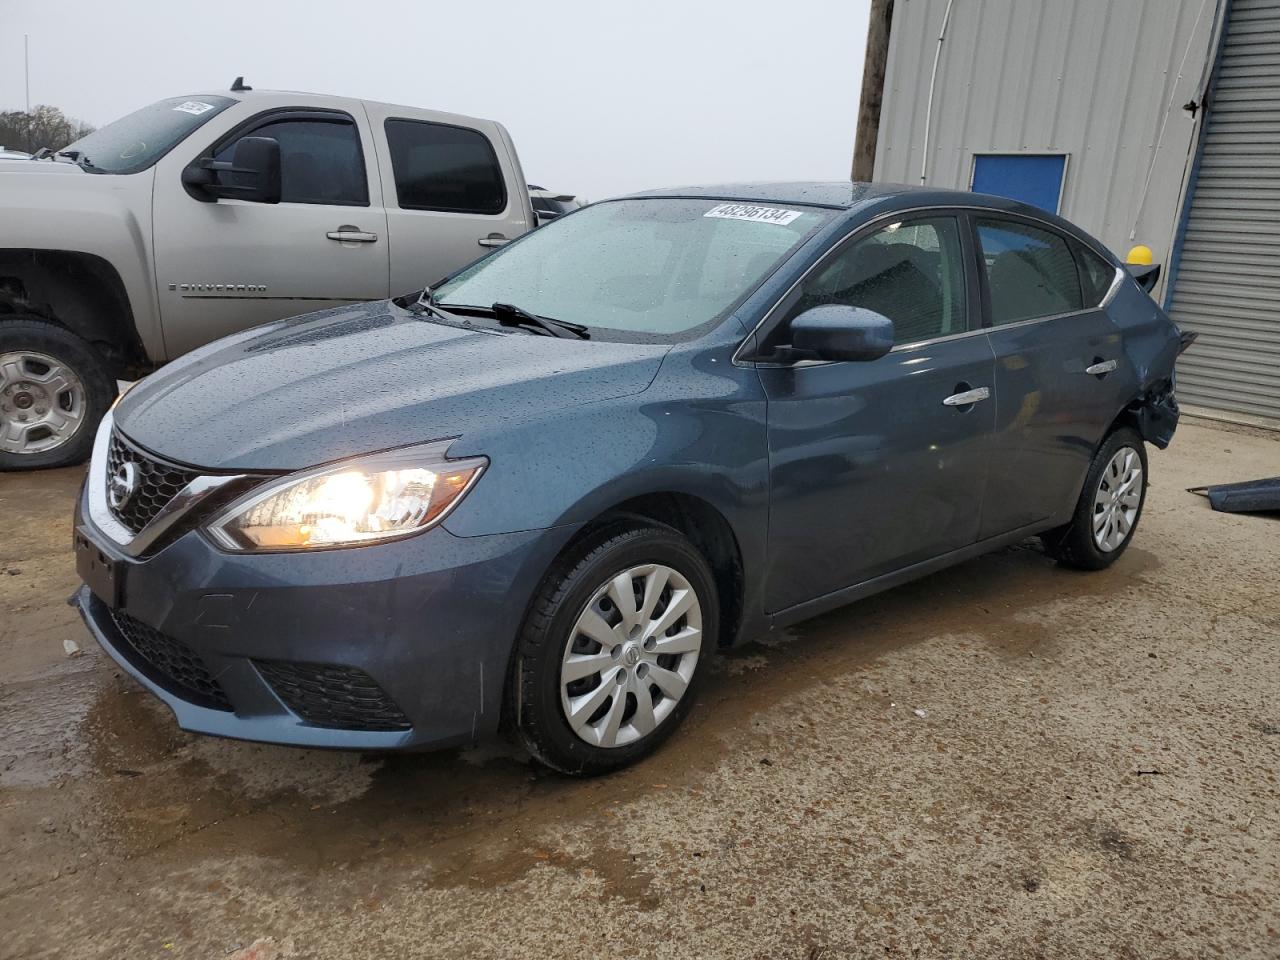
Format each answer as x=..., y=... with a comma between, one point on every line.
x=610, y=653
x=1110, y=505
x=54, y=389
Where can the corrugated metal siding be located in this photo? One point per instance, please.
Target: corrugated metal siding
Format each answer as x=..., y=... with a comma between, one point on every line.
x=1228, y=283
x=1089, y=78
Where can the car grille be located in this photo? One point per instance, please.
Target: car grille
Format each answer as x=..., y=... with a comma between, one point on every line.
x=331, y=695
x=158, y=483
x=169, y=662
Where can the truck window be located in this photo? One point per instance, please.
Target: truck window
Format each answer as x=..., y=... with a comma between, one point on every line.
x=320, y=160
x=440, y=167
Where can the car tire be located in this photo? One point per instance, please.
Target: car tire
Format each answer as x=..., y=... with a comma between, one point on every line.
x=54, y=389
x=1109, y=508
x=589, y=723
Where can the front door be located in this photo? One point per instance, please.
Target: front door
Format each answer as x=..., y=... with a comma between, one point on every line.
x=876, y=465
x=226, y=265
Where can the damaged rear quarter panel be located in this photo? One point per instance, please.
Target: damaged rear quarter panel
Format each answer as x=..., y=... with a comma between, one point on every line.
x=1151, y=347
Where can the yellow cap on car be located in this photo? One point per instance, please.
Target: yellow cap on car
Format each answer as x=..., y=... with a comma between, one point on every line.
x=1139, y=254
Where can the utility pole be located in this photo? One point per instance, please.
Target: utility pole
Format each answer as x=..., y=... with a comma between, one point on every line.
x=873, y=70
x=26, y=67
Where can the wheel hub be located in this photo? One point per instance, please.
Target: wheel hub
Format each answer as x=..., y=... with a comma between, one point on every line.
x=1117, y=500
x=42, y=402
x=631, y=655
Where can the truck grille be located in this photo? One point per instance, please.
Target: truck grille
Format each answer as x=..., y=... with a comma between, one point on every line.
x=158, y=483
x=169, y=662
x=331, y=695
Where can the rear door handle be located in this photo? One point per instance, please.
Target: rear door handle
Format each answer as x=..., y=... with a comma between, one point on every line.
x=349, y=234
x=493, y=240
x=967, y=397
x=1103, y=367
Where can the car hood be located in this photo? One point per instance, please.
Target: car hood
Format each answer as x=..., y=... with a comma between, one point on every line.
x=358, y=379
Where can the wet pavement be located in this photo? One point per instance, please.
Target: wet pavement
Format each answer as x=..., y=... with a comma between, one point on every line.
x=1003, y=760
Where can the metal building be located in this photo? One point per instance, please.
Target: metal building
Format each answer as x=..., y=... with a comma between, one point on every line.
x=1152, y=122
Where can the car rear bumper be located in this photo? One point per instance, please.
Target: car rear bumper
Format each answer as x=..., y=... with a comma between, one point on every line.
x=401, y=645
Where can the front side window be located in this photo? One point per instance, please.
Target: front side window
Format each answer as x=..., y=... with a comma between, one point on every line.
x=911, y=272
x=320, y=160
x=440, y=167
x=135, y=142
x=1031, y=273
x=652, y=270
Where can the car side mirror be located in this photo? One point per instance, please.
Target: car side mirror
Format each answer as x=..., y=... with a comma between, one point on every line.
x=252, y=174
x=837, y=332
x=1147, y=274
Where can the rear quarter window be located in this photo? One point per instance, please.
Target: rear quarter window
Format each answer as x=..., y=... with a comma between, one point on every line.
x=1096, y=276
x=442, y=167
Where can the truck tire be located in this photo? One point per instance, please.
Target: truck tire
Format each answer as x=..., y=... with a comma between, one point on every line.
x=54, y=389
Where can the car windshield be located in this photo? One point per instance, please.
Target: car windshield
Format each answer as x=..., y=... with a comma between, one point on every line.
x=642, y=270
x=136, y=141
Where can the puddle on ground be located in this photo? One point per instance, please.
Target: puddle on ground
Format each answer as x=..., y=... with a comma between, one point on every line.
x=481, y=815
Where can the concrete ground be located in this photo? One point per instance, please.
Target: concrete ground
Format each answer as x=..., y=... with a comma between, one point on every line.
x=1004, y=760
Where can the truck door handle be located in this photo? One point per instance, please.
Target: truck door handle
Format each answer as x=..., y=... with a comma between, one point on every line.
x=967, y=397
x=493, y=240
x=1101, y=368
x=349, y=234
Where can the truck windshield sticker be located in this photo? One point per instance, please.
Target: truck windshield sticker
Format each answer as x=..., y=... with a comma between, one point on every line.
x=194, y=107
x=746, y=211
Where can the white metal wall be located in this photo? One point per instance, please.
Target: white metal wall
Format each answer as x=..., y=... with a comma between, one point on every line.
x=1228, y=282
x=1089, y=78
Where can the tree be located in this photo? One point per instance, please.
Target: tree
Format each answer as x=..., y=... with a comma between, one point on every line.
x=44, y=126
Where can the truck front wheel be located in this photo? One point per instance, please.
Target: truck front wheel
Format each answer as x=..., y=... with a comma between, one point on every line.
x=54, y=388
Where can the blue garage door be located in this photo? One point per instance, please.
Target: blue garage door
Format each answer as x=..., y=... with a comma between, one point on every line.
x=1032, y=178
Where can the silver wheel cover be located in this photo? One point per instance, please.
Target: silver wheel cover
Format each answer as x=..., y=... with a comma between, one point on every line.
x=631, y=655
x=42, y=403
x=1117, y=499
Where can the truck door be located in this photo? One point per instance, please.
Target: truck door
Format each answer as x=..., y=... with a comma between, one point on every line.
x=454, y=192
x=225, y=265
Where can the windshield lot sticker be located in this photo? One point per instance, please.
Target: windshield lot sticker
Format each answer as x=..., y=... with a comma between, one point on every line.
x=745, y=211
x=194, y=106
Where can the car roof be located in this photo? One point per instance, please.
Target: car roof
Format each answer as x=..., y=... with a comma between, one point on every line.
x=836, y=194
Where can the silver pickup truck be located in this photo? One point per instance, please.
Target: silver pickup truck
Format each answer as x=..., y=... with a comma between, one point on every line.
x=201, y=215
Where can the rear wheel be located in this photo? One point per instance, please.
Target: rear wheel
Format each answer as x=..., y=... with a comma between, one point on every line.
x=610, y=653
x=53, y=391
x=1109, y=508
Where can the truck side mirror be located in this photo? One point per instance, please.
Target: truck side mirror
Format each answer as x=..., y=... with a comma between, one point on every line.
x=252, y=174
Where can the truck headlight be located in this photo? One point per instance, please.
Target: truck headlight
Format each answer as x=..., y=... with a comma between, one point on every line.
x=366, y=500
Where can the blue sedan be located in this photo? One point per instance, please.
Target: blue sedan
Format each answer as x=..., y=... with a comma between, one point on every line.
x=541, y=493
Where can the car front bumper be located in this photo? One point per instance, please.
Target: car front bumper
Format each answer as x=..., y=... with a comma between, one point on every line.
x=407, y=643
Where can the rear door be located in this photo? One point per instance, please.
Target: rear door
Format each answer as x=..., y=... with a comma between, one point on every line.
x=872, y=470
x=1061, y=373
x=454, y=192
x=225, y=265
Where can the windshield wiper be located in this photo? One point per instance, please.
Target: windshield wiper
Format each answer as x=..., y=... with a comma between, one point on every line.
x=426, y=303
x=509, y=315
x=78, y=158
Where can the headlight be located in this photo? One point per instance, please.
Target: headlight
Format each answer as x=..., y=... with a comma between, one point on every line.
x=366, y=500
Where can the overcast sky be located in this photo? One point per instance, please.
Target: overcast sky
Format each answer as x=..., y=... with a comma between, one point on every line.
x=601, y=97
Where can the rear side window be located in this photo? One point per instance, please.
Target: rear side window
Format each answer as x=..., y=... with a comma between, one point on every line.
x=440, y=167
x=1031, y=273
x=320, y=160
x=910, y=272
x=1096, y=276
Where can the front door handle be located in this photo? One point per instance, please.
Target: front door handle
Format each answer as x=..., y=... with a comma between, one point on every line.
x=967, y=397
x=493, y=240
x=1101, y=368
x=349, y=234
